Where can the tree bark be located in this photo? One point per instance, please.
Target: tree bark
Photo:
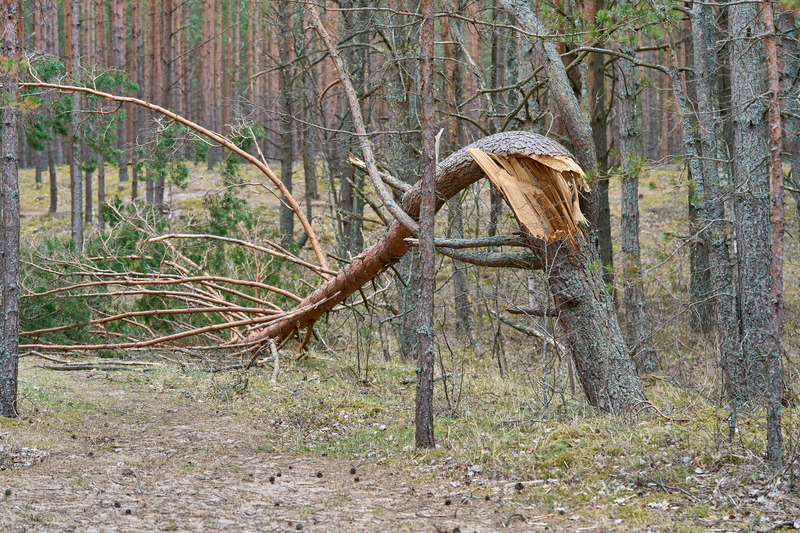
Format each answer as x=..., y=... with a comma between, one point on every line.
x=164, y=81
x=774, y=370
x=286, y=119
x=455, y=91
x=101, y=190
x=710, y=179
x=752, y=194
x=636, y=324
x=118, y=62
x=138, y=114
x=791, y=100
x=427, y=276
x=607, y=372
x=50, y=21
x=76, y=181
x=9, y=276
x=597, y=105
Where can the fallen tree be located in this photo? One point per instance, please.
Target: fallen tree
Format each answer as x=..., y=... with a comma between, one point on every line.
x=557, y=241
x=584, y=308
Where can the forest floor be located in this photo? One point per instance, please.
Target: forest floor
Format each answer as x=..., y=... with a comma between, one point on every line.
x=172, y=450
x=181, y=449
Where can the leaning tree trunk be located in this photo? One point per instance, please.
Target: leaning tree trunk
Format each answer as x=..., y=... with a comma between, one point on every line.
x=605, y=367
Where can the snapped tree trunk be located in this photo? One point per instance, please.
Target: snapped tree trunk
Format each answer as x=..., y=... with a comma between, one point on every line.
x=607, y=372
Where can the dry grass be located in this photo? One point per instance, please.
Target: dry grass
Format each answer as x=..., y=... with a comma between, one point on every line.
x=535, y=450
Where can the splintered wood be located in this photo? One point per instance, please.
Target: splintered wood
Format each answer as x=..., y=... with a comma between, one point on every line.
x=542, y=191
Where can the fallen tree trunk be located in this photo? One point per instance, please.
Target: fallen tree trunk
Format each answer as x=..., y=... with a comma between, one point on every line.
x=601, y=357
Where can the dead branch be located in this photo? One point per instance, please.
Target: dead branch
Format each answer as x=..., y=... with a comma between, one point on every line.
x=527, y=260
x=262, y=166
x=176, y=280
x=452, y=175
x=478, y=242
x=532, y=332
x=152, y=312
x=390, y=180
x=280, y=254
x=532, y=311
x=358, y=123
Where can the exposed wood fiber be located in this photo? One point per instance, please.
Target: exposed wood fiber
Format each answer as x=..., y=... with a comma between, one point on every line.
x=542, y=191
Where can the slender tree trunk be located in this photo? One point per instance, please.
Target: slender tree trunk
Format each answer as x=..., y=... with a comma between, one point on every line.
x=752, y=194
x=285, y=75
x=51, y=167
x=710, y=179
x=496, y=79
x=118, y=62
x=50, y=17
x=138, y=114
x=101, y=190
x=425, y=333
x=216, y=17
x=76, y=181
x=454, y=74
x=87, y=182
x=774, y=370
x=88, y=25
x=9, y=273
x=165, y=82
x=636, y=324
x=597, y=95
x=791, y=100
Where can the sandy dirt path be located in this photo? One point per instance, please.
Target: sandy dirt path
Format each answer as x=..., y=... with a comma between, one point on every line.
x=132, y=459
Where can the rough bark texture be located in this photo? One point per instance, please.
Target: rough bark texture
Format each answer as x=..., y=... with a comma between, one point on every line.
x=164, y=82
x=138, y=114
x=791, y=100
x=752, y=194
x=76, y=181
x=101, y=190
x=597, y=106
x=637, y=328
x=454, y=89
x=607, y=371
x=9, y=263
x=285, y=74
x=774, y=359
x=118, y=62
x=423, y=419
x=710, y=179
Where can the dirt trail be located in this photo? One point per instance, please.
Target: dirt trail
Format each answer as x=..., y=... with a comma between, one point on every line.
x=133, y=459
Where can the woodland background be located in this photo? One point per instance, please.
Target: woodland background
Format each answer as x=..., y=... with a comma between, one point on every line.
x=136, y=227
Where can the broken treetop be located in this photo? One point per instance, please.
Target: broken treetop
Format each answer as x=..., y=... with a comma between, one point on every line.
x=538, y=178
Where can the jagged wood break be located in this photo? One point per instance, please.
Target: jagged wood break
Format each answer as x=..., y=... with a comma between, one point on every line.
x=542, y=190
x=584, y=308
